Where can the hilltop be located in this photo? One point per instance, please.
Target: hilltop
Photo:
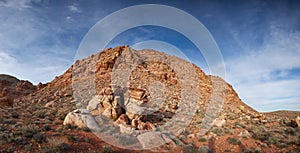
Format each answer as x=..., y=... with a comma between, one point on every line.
x=164, y=85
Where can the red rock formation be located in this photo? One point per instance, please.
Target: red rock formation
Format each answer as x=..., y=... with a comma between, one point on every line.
x=12, y=88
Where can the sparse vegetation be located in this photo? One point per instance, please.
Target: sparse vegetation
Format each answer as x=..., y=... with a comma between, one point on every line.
x=201, y=139
x=204, y=149
x=107, y=149
x=55, y=145
x=218, y=131
x=234, y=141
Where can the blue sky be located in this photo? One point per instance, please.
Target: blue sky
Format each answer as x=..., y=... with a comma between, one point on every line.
x=259, y=41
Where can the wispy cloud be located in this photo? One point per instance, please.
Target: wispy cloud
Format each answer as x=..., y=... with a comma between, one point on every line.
x=73, y=8
x=30, y=47
x=17, y=4
x=7, y=62
x=266, y=78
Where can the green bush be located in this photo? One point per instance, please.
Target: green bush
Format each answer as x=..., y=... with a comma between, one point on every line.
x=234, y=141
x=46, y=128
x=14, y=115
x=189, y=149
x=204, y=149
x=218, y=131
x=107, y=149
x=201, y=139
x=55, y=145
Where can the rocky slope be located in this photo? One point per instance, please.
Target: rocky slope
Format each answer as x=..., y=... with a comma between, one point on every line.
x=179, y=95
x=12, y=88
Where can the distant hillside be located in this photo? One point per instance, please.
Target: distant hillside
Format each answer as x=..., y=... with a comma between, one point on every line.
x=12, y=88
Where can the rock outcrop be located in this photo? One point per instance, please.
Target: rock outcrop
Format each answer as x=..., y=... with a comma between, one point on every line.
x=12, y=88
x=106, y=104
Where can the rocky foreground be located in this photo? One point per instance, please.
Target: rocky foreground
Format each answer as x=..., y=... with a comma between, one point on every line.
x=95, y=106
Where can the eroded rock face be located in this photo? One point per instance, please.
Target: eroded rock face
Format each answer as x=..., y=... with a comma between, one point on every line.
x=109, y=105
x=106, y=104
x=150, y=95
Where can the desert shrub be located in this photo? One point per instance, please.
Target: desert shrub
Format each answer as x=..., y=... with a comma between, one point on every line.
x=85, y=129
x=72, y=138
x=272, y=140
x=189, y=149
x=69, y=126
x=234, y=141
x=27, y=147
x=239, y=125
x=228, y=131
x=204, y=149
x=282, y=145
x=14, y=115
x=55, y=145
x=39, y=137
x=59, y=129
x=232, y=116
x=107, y=149
x=40, y=114
x=29, y=131
x=178, y=142
x=290, y=131
x=9, y=121
x=46, y=127
x=88, y=140
x=259, y=133
x=182, y=137
x=217, y=131
x=201, y=139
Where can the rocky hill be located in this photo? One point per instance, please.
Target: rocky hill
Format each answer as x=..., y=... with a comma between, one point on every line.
x=126, y=93
x=12, y=88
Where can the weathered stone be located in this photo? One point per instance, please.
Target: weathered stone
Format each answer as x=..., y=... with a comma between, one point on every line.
x=138, y=94
x=126, y=129
x=123, y=119
x=135, y=123
x=134, y=111
x=295, y=123
x=298, y=121
x=218, y=122
x=93, y=103
x=80, y=118
x=145, y=126
x=245, y=134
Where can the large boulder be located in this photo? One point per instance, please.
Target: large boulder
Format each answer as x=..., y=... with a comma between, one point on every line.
x=94, y=105
x=296, y=122
x=81, y=118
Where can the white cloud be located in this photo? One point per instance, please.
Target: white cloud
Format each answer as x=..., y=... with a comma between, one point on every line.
x=23, y=52
x=74, y=8
x=263, y=78
x=7, y=62
x=17, y=4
